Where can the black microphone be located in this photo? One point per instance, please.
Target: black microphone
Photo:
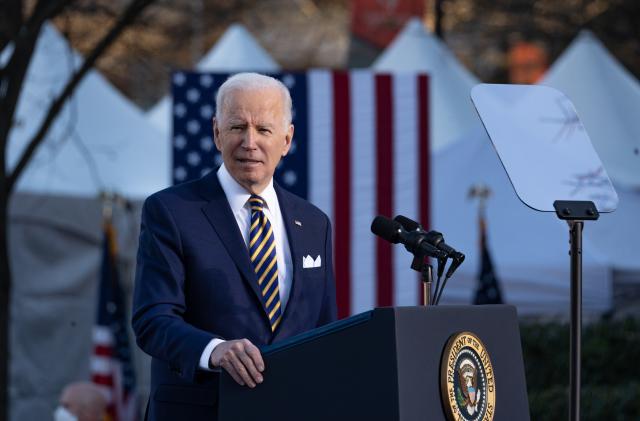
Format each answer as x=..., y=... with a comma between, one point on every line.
x=434, y=238
x=458, y=258
x=393, y=232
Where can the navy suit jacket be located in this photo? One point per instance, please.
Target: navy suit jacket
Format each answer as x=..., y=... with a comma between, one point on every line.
x=195, y=282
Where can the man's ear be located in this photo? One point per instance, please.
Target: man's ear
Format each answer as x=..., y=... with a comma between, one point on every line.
x=216, y=134
x=287, y=140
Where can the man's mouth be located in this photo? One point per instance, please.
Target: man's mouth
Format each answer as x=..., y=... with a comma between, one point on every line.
x=246, y=161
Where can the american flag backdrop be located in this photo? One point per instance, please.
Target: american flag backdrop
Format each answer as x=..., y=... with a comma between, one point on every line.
x=111, y=363
x=360, y=149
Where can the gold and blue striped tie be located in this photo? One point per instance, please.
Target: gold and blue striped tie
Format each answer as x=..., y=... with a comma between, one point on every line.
x=262, y=250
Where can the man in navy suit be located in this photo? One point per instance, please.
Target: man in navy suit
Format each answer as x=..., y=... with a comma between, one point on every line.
x=231, y=261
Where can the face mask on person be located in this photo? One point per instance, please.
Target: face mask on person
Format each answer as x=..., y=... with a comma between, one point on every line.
x=62, y=414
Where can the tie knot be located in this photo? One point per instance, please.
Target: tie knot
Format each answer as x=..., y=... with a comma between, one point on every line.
x=256, y=202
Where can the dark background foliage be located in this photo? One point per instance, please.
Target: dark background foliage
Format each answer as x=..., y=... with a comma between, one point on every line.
x=610, y=369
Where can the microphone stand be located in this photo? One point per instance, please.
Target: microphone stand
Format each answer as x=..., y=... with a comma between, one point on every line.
x=575, y=213
x=426, y=270
x=427, y=279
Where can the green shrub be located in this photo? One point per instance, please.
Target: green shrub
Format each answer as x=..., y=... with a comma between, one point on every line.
x=610, y=373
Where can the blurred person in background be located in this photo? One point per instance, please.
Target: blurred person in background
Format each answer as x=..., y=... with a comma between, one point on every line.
x=81, y=401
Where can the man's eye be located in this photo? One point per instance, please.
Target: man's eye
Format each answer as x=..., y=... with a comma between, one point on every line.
x=236, y=128
x=264, y=130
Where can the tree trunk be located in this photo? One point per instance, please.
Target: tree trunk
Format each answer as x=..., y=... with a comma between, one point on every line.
x=5, y=290
x=12, y=76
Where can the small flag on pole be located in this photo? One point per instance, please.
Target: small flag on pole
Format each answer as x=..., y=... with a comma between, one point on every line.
x=111, y=362
x=488, y=291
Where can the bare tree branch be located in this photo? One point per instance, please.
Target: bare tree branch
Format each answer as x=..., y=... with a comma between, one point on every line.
x=13, y=74
x=10, y=20
x=132, y=11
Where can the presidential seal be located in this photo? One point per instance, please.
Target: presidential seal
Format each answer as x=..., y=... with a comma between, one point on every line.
x=467, y=384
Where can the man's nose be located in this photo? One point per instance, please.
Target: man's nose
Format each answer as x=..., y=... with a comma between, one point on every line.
x=249, y=139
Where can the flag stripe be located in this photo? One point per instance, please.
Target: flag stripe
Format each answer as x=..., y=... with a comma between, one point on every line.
x=101, y=365
x=405, y=183
x=342, y=191
x=104, y=380
x=384, y=197
x=363, y=191
x=103, y=350
x=424, y=155
x=102, y=335
x=320, y=135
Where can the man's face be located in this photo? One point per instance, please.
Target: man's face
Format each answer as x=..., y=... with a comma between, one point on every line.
x=251, y=135
x=84, y=401
x=69, y=400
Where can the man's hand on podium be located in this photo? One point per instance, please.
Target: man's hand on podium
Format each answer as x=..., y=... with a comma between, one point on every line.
x=241, y=359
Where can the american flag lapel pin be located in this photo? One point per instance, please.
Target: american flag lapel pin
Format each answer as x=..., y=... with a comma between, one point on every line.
x=298, y=223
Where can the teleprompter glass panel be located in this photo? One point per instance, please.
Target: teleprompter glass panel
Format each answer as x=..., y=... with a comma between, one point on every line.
x=543, y=146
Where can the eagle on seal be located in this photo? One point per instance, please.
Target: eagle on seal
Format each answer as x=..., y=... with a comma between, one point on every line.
x=467, y=374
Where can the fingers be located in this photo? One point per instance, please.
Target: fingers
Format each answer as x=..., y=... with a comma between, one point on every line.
x=232, y=372
x=250, y=366
x=242, y=370
x=242, y=360
x=253, y=352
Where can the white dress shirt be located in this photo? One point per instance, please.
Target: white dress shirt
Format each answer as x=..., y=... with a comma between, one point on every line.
x=238, y=199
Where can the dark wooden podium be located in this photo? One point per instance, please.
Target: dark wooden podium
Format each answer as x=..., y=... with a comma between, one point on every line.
x=379, y=365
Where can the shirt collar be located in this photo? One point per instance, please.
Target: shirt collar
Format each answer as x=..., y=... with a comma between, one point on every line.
x=237, y=196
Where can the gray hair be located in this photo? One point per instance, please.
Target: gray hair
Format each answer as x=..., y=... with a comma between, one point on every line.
x=245, y=81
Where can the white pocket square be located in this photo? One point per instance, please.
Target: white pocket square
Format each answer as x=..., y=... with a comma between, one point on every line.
x=308, y=262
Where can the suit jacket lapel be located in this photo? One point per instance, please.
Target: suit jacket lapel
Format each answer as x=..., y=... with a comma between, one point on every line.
x=295, y=236
x=220, y=216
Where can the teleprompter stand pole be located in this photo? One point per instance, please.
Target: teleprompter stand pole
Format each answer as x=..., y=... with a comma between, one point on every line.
x=575, y=213
x=575, y=229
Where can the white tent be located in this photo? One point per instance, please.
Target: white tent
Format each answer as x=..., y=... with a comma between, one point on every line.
x=416, y=50
x=236, y=50
x=529, y=249
x=607, y=99
x=100, y=141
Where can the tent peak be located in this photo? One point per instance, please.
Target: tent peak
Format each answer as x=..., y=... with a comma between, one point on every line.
x=237, y=50
x=587, y=34
x=414, y=26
